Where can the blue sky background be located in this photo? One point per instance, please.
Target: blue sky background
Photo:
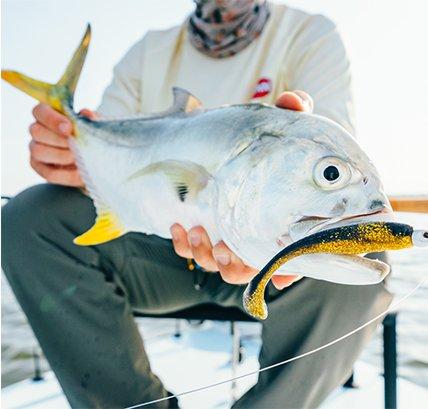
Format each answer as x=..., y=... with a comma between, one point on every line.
x=386, y=40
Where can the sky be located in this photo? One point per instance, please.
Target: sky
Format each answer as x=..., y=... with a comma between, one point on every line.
x=386, y=41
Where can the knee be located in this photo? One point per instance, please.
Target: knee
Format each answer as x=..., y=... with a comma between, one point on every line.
x=39, y=223
x=348, y=302
x=35, y=210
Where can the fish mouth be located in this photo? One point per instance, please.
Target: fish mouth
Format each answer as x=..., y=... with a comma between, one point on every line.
x=308, y=225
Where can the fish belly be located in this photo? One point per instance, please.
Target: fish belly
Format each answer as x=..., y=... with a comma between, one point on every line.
x=149, y=205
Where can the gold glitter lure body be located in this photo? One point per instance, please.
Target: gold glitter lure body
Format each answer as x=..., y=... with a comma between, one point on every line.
x=353, y=239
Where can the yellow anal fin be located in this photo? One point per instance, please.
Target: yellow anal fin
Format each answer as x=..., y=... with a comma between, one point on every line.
x=107, y=227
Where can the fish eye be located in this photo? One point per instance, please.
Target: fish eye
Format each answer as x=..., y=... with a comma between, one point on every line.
x=332, y=173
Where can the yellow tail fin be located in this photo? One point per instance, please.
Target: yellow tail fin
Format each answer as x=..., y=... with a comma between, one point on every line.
x=59, y=95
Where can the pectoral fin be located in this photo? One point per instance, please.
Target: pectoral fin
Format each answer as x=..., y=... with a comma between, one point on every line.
x=337, y=268
x=107, y=227
x=187, y=178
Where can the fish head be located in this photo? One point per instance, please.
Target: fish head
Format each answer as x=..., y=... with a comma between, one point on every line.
x=339, y=184
x=311, y=176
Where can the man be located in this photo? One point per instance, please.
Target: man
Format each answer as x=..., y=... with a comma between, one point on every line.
x=79, y=300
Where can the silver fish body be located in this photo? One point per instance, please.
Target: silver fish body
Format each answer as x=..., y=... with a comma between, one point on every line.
x=250, y=165
x=218, y=147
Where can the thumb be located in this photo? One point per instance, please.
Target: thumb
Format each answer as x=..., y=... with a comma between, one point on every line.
x=93, y=115
x=296, y=101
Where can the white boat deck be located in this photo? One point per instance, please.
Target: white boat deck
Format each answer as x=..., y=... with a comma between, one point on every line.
x=202, y=356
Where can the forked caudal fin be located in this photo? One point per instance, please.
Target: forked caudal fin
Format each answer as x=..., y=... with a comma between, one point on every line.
x=60, y=95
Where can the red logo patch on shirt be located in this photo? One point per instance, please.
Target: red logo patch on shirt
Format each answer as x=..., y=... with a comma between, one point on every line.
x=263, y=88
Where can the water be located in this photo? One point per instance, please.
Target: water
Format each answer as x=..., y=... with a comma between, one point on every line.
x=409, y=268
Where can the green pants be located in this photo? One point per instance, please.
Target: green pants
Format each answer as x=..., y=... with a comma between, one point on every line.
x=79, y=302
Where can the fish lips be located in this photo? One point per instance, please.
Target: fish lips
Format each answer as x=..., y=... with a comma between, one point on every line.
x=308, y=225
x=341, y=269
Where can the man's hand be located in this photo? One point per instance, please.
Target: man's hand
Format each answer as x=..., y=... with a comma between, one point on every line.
x=196, y=243
x=50, y=155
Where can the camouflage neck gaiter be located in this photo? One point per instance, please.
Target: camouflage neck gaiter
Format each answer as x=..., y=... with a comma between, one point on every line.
x=221, y=28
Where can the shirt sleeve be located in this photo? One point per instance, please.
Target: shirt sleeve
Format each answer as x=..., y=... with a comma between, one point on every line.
x=319, y=65
x=123, y=96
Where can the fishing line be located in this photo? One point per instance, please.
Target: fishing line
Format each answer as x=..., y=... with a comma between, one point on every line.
x=313, y=351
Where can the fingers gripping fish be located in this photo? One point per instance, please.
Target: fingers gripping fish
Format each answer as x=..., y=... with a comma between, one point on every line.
x=255, y=176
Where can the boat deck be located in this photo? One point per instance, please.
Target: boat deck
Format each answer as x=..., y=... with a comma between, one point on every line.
x=201, y=356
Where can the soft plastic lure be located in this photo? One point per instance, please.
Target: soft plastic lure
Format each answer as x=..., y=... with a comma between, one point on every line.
x=353, y=239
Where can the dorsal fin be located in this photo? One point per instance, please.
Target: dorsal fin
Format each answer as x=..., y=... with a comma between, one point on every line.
x=184, y=101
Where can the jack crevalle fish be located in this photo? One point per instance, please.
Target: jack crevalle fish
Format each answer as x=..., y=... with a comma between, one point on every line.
x=256, y=176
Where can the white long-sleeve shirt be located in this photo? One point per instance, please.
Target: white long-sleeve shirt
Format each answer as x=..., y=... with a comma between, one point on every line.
x=296, y=50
